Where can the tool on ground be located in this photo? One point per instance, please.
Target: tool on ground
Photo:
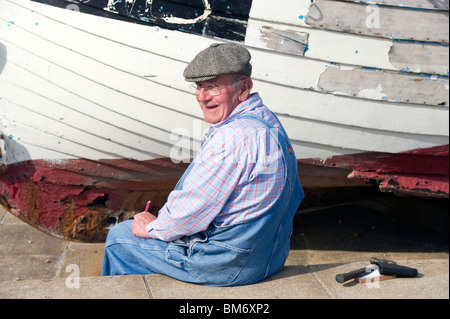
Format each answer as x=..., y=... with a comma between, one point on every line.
x=385, y=269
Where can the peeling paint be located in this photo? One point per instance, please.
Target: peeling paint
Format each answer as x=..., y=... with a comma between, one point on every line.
x=373, y=93
x=387, y=86
x=389, y=22
x=420, y=172
x=81, y=200
x=419, y=57
x=286, y=41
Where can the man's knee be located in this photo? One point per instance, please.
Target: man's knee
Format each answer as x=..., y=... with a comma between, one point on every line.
x=119, y=232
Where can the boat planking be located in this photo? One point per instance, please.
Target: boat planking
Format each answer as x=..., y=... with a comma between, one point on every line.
x=96, y=117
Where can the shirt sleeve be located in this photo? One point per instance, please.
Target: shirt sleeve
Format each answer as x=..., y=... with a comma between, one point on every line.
x=206, y=189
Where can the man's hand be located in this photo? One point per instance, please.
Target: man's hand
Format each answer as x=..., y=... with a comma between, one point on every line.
x=140, y=221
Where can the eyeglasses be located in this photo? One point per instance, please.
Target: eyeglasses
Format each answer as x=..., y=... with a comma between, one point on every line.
x=212, y=89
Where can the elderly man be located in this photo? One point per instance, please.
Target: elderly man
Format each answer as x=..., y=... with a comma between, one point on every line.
x=229, y=220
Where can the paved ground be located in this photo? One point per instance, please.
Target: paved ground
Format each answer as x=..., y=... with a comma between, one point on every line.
x=325, y=242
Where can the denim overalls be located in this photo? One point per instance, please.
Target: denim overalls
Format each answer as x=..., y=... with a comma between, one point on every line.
x=237, y=254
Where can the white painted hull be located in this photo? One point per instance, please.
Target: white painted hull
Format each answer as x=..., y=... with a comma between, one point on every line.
x=75, y=85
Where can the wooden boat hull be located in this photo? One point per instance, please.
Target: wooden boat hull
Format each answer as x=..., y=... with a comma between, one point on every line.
x=96, y=117
x=81, y=199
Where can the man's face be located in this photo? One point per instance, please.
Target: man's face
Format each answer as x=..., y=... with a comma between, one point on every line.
x=217, y=108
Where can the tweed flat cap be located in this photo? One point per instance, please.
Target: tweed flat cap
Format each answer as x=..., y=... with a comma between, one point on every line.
x=219, y=59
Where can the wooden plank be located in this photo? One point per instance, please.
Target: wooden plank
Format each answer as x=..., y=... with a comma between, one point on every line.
x=356, y=50
x=285, y=41
x=420, y=57
x=380, y=21
x=44, y=135
x=116, y=133
x=344, y=110
x=133, y=82
x=386, y=86
x=356, y=138
x=419, y=4
x=108, y=98
x=77, y=131
x=282, y=70
x=299, y=9
x=291, y=12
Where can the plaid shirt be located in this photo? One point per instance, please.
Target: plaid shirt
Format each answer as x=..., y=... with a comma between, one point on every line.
x=237, y=175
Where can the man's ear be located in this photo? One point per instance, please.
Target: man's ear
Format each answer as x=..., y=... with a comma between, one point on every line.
x=246, y=89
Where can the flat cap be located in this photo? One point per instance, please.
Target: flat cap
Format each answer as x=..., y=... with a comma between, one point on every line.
x=219, y=59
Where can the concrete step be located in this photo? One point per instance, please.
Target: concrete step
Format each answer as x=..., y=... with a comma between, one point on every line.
x=35, y=265
x=296, y=281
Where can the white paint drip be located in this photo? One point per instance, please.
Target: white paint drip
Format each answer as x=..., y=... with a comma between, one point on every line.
x=168, y=18
x=207, y=11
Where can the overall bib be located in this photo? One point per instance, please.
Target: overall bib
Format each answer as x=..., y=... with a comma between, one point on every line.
x=238, y=254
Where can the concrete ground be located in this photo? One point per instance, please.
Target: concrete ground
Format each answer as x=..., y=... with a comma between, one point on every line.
x=325, y=242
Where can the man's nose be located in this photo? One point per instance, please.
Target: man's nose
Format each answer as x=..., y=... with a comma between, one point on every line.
x=202, y=95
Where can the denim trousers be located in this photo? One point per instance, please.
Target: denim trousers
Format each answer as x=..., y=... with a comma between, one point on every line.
x=237, y=254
